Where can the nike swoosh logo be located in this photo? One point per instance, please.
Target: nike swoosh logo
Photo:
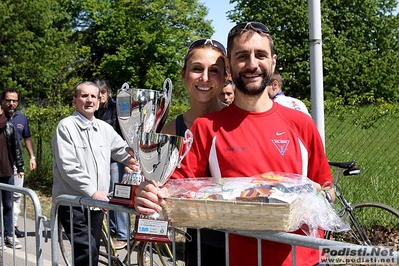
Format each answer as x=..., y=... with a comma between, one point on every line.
x=280, y=133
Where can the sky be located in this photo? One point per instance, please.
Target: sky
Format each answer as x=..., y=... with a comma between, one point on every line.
x=220, y=23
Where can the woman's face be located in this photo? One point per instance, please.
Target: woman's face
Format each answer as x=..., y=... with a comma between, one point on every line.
x=204, y=74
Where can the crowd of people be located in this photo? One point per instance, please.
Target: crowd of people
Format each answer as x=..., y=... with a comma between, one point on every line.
x=237, y=112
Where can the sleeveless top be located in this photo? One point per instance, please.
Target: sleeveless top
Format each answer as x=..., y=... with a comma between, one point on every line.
x=180, y=126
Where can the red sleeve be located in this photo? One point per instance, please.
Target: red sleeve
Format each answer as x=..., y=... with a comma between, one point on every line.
x=195, y=164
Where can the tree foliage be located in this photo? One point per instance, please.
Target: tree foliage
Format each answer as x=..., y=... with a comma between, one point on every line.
x=360, y=47
x=35, y=49
x=140, y=41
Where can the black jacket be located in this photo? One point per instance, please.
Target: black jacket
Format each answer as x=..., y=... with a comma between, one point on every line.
x=14, y=149
x=108, y=114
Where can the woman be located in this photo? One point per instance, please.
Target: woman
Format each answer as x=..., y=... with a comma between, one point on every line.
x=10, y=152
x=203, y=74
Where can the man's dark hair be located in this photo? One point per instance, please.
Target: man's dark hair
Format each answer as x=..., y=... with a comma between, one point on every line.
x=3, y=95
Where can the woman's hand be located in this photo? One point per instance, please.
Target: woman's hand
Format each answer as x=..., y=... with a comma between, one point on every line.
x=149, y=198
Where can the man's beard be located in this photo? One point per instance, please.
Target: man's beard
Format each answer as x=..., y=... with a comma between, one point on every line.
x=252, y=89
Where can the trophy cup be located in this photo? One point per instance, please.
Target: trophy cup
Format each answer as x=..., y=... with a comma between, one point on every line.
x=139, y=110
x=159, y=155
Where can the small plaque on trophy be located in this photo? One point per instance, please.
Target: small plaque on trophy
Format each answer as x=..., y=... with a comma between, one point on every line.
x=124, y=194
x=151, y=230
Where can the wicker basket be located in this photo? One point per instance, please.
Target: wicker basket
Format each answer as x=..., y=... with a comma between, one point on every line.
x=232, y=215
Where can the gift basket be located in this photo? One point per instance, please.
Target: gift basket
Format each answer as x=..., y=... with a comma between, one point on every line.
x=269, y=201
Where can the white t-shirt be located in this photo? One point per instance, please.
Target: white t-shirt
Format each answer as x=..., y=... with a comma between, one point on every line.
x=291, y=103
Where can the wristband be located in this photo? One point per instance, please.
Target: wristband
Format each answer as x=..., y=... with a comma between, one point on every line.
x=33, y=158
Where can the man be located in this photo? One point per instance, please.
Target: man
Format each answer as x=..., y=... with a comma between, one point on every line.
x=82, y=147
x=11, y=98
x=107, y=113
x=226, y=95
x=249, y=137
x=276, y=94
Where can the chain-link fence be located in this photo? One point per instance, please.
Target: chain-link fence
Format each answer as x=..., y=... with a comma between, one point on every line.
x=368, y=135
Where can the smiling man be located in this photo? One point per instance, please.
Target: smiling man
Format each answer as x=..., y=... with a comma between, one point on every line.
x=251, y=136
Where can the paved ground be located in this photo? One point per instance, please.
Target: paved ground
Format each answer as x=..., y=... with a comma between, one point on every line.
x=27, y=255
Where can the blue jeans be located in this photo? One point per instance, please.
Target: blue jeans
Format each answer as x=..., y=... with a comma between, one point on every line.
x=6, y=197
x=118, y=220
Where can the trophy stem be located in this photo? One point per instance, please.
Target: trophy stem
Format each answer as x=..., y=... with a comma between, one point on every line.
x=134, y=178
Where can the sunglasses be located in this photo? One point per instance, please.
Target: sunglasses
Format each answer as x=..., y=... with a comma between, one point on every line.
x=256, y=26
x=214, y=43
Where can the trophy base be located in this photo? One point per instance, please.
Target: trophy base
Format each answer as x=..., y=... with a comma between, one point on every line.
x=124, y=194
x=151, y=230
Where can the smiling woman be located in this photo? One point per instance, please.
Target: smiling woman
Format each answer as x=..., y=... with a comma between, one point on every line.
x=203, y=75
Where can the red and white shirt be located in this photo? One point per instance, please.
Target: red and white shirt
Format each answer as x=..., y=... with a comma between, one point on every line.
x=237, y=143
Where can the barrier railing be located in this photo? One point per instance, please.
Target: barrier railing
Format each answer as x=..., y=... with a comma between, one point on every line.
x=10, y=259
x=282, y=237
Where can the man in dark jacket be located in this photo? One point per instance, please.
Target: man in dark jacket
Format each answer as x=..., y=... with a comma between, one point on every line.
x=10, y=153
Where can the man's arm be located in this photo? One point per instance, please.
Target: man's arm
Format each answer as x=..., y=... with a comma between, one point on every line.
x=29, y=148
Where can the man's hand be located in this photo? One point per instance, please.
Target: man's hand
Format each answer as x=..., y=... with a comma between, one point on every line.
x=149, y=198
x=20, y=174
x=32, y=164
x=100, y=195
x=132, y=165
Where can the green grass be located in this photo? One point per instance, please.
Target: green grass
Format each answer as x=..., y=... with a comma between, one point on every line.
x=375, y=148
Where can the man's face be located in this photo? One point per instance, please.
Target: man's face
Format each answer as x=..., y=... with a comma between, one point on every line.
x=86, y=102
x=10, y=102
x=226, y=95
x=252, y=63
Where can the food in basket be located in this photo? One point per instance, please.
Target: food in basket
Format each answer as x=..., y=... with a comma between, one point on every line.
x=258, y=194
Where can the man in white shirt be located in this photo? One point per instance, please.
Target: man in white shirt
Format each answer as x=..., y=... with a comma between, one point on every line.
x=275, y=92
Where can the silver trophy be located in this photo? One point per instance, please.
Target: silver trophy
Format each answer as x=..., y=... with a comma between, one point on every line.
x=141, y=110
x=159, y=155
x=138, y=111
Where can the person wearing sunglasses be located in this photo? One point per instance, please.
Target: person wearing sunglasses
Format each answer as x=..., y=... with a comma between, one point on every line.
x=203, y=74
x=11, y=99
x=251, y=136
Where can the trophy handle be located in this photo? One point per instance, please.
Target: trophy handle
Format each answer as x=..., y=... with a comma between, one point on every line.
x=167, y=92
x=125, y=86
x=188, y=141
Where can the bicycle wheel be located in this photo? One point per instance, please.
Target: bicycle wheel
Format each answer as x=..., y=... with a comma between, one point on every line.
x=65, y=245
x=372, y=223
x=159, y=253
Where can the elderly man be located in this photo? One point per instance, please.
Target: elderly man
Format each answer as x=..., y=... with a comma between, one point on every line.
x=82, y=148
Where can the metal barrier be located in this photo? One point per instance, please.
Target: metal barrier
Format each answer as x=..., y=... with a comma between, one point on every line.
x=282, y=237
x=14, y=257
x=69, y=200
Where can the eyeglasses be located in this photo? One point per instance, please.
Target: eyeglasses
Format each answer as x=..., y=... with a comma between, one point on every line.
x=256, y=26
x=214, y=43
x=11, y=100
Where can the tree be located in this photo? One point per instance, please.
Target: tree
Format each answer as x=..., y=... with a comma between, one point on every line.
x=141, y=42
x=360, y=47
x=35, y=53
